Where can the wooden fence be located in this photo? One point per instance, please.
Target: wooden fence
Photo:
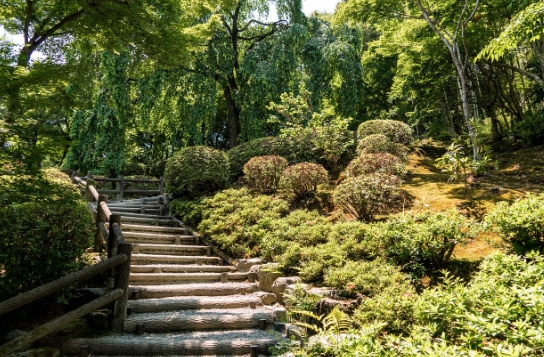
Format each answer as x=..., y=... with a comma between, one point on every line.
x=118, y=265
x=121, y=181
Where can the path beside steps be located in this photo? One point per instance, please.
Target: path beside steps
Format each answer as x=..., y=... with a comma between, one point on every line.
x=183, y=299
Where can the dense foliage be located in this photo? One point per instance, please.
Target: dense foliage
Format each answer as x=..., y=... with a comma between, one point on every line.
x=372, y=163
x=394, y=130
x=44, y=228
x=196, y=169
x=379, y=143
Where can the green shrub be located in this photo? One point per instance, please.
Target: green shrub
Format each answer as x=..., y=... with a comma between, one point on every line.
x=427, y=239
x=196, y=169
x=364, y=196
x=303, y=178
x=44, y=228
x=520, y=223
x=232, y=218
x=378, y=143
x=263, y=172
x=395, y=131
x=381, y=162
x=293, y=149
x=315, y=260
x=189, y=212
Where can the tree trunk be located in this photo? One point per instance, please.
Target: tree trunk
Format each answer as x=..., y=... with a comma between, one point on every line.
x=233, y=114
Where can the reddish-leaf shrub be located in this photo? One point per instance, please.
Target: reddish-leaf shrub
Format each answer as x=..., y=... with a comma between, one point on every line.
x=394, y=130
x=378, y=143
x=303, y=178
x=367, y=163
x=363, y=196
x=264, y=172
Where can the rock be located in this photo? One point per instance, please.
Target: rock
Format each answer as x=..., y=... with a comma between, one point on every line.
x=39, y=352
x=244, y=265
x=326, y=305
x=280, y=315
x=99, y=319
x=255, y=270
x=279, y=286
x=267, y=275
x=290, y=290
x=12, y=335
x=267, y=298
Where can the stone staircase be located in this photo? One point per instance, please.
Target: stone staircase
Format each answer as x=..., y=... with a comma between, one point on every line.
x=184, y=300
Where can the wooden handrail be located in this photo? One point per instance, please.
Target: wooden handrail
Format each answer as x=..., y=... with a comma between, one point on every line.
x=59, y=284
x=105, y=211
x=20, y=343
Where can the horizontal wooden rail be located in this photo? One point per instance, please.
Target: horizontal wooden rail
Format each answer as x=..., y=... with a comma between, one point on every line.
x=59, y=284
x=106, y=211
x=20, y=343
x=100, y=179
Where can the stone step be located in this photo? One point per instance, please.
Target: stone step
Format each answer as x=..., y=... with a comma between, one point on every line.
x=137, y=215
x=177, y=268
x=171, y=249
x=201, y=343
x=195, y=303
x=158, y=238
x=217, y=289
x=164, y=221
x=138, y=210
x=146, y=259
x=191, y=320
x=155, y=229
x=184, y=278
x=133, y=204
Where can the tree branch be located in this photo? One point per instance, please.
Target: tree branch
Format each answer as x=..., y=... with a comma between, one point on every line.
x=72, y=17
x=29, y=13
x=530, y=75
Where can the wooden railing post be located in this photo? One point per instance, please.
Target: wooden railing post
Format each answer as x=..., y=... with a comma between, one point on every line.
x=122, y=277
x=121, y=187
x=98, y=239
x=161, y=186
x=88, y=194
x=112, y=238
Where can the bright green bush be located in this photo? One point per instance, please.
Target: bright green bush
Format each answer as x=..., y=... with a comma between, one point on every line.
x=263, y=172
x=364, y=196
x=395, y=131
x=196, y=169
x=232, y=219
x=425, y=239
x=302, y=179
x=380, y=162
x=520, y=223
x=44, y=228
x=188, y=211
x=378, y=143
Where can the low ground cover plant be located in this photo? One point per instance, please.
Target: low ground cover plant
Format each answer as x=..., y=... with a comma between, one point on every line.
x=520, y=223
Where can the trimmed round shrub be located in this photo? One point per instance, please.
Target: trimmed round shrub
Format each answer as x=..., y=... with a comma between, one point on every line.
x=363, y=196
x=45, y=226
x=303, y=178
x=263, y=172
x=196, y=169
x=367, y=163
x=394, y=130
x=520, y=223
x=378, y=143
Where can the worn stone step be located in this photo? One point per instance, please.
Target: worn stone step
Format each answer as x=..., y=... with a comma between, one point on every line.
x=139, y=259
x=199, y=320
x=137, y=215
x=159, y=238
x=154, y=229
x=138, y=210
x=181, y=278
x=177, y=268
x=195, y=303
x=164, y=221
x=201, y=343
x=171, y=249
x=202, y=289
